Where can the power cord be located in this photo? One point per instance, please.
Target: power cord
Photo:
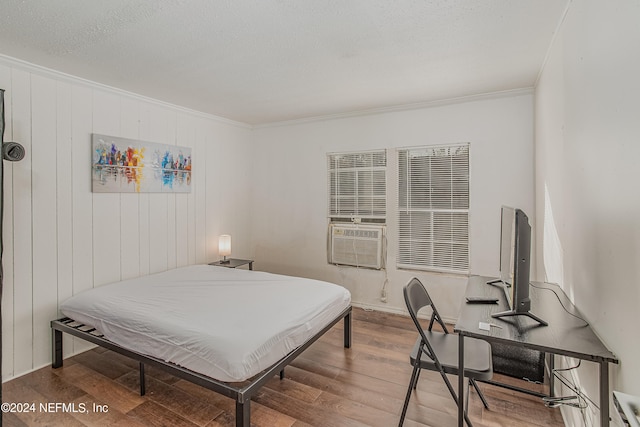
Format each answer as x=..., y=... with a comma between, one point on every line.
x=560, y=301
x=383, y=291
x=580, y=400
x=555, y=402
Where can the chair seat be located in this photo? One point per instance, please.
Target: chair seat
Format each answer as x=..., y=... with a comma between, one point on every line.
x=477, y=360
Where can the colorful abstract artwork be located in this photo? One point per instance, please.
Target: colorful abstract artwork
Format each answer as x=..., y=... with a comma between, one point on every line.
x=121, y=165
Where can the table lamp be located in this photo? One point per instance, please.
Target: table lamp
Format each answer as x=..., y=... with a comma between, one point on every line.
x=224, y=247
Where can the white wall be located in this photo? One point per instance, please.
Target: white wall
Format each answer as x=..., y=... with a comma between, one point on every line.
x=587, y=180
x=290, y=188
x=60, y=238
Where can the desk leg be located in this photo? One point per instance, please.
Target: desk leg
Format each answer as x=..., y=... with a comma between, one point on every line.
x=552, y=377
x=460, y=380
x=604, y=393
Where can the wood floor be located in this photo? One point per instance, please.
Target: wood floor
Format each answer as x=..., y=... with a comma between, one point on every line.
x=327, y=386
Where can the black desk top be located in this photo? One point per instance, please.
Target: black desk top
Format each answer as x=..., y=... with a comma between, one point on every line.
x=566, y=334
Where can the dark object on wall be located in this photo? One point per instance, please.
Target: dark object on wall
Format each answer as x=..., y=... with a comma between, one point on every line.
x=13, y=152
x=518, y=362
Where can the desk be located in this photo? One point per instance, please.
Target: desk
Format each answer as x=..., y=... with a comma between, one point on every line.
x=566, y=335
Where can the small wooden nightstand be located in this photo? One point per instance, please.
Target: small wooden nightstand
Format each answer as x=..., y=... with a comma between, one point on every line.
x=233, y=263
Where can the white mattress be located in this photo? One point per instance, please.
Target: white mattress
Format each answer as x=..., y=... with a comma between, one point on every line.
x=228, y=324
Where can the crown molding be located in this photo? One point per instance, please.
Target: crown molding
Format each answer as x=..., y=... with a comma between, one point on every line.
x=402, y=107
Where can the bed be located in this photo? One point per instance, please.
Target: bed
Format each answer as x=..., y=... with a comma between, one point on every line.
x=229, y=330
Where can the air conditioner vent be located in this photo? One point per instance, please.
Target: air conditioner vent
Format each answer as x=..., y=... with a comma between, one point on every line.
x=356, y=245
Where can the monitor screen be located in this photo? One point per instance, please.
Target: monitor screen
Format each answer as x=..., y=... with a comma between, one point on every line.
x=515, y=241
x=515, y=253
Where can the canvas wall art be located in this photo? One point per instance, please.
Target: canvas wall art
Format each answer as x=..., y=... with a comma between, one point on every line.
x=122, y=165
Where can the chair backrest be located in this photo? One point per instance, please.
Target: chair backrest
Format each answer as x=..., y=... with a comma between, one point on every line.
x=416, y=297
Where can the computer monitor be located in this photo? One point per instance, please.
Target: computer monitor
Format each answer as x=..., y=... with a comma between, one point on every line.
x=515, y=257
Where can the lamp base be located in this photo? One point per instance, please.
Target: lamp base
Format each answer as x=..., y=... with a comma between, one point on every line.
x=225, y=261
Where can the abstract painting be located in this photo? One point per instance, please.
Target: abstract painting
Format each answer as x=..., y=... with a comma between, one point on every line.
x=121, y=165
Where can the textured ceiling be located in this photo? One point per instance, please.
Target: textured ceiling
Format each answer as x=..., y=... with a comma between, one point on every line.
x=265, y=61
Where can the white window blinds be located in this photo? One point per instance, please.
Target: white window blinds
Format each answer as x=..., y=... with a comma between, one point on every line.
x=433, y=208
x=357, y=185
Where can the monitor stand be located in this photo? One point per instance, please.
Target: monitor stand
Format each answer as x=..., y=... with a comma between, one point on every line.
x=512, y=313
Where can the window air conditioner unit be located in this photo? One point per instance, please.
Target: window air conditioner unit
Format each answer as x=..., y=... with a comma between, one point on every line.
x=357, y=245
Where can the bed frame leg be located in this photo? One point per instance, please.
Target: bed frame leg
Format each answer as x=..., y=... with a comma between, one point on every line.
x=243, y=413
x=143, y=389
x=347, y=331
x=57, y=348
x=282, y=374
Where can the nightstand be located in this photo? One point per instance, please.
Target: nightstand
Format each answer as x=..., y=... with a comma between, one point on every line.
x=233, y=263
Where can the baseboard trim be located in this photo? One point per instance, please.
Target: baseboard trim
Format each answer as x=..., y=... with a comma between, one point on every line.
x=395, y=310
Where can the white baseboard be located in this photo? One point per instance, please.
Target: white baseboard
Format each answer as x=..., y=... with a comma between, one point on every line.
x=394, y=310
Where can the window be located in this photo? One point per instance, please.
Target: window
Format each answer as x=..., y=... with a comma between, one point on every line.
x=357, y=186
x=433, y=208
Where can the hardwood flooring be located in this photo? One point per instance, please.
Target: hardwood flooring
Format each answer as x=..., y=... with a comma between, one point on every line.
x=327, y=386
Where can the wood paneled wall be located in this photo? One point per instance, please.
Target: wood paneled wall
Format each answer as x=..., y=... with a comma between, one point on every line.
x=61, y=239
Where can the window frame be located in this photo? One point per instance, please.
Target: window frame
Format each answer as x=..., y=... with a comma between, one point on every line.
x=373, y=193
x=430, y=251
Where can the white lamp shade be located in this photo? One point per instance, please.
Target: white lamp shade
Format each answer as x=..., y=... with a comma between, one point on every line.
x=224, y=245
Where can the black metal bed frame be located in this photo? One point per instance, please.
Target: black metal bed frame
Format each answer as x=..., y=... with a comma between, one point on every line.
x=240, y=392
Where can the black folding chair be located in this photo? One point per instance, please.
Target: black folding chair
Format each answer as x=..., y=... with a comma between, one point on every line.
x=438, y=351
